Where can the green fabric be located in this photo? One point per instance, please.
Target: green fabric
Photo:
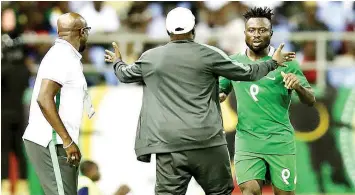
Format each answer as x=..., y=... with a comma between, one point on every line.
x=57, y=103
x=263, y=115
x=56, y=168
x=308, y=180
x=53, y=152
x=279, y=169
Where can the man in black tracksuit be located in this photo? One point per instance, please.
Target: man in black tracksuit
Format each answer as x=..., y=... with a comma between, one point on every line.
x=180, y=119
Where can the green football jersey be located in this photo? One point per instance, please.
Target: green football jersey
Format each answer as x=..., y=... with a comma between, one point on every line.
x=263, y=110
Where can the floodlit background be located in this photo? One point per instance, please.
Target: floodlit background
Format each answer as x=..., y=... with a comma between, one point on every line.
x=322, y=34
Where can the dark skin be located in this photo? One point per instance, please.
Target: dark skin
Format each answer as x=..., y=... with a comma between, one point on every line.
x=93, y=173
x=72, y=28
x=258, y=33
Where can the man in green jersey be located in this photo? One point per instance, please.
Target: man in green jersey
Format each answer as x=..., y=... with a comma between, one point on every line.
x=264, y=142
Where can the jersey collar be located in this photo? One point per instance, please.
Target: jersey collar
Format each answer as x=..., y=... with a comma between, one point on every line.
x=62, y=41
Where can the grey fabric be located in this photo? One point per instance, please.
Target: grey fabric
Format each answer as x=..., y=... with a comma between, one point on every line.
x=40, y=158
x=209, y=166
x=180, y=109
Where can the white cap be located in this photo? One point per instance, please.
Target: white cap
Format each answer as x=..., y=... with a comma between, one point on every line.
x=180, y=18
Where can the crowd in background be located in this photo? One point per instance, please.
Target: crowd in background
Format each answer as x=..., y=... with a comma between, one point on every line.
x=218, y=23
x=222, y=19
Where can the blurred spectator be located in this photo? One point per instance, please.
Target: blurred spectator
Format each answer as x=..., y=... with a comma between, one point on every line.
x=61, y=8
x=348, y=58
x=75, y=6
x=336, y=22
x=100, y=17
x=231, y=36
x=222, y=21
x=308, y=21
x=91, y=175
x=137, y=18
x=208, y=24
x=14, y=81
x=282, y=27
x=156, y=28
x=95, y=54
x=36, y=20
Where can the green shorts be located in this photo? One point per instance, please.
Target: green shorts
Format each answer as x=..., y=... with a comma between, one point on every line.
x=279, y=169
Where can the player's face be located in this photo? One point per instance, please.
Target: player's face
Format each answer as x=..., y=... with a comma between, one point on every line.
x=258, y=33
x=84, y=33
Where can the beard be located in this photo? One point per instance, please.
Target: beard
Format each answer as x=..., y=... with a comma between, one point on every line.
x=82, y=47
x=259, y=49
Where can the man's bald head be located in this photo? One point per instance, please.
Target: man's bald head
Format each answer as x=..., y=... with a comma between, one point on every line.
x=72, y=27
x=70, y=21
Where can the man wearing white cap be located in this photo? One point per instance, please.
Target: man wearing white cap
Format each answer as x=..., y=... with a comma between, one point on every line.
x=180, y=119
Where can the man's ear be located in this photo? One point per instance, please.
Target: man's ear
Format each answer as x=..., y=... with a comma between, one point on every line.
x=271, y=33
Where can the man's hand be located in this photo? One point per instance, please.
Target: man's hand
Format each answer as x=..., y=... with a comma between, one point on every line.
x=222, y=97
x=291, y=80
x=283, y=57
x=123, y=190
x=111, y=56
x=73, y=152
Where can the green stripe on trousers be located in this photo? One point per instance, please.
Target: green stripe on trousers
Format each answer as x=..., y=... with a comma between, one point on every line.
x=53, y=152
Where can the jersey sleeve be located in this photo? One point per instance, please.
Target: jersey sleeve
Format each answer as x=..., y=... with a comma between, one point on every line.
x=225, y=85
x=130, y=73
x=294, y=67
x=57, y=70
x=223, y=65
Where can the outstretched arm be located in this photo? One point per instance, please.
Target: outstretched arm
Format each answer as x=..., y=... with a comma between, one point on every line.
x=222, y=65
x=125, y=73
x=128, y=73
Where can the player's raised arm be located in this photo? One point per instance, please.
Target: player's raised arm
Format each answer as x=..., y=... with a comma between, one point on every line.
x=294, y=79
x=222, y=65
x=125, y=73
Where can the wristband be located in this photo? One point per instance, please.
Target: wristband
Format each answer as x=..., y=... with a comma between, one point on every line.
x=65, y=147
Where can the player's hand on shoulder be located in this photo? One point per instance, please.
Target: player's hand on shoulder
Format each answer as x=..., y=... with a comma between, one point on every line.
x=281, y=57
x=113, y=56
x=222, y=97
x=291, y=80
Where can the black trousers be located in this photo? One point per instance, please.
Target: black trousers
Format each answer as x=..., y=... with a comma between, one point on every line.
x=209, y=166
x=11, y=141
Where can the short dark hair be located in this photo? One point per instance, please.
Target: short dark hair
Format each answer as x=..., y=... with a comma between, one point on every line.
x=86, y=166
x=258, y=12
